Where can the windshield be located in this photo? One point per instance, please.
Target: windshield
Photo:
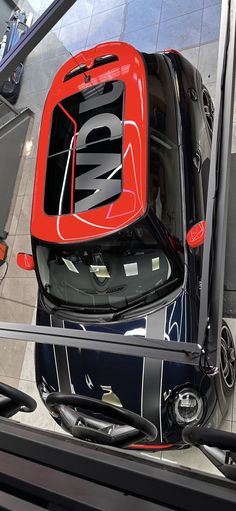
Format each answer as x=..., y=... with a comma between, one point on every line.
x=109, y=274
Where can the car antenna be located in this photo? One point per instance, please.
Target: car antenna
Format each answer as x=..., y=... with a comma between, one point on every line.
x=87, y=77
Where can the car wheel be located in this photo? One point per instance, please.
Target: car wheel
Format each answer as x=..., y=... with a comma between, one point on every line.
x=228, y=359
x=15, y=95
x=208, y=108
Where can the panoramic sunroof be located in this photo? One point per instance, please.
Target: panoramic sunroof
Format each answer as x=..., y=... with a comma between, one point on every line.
x=84, y=167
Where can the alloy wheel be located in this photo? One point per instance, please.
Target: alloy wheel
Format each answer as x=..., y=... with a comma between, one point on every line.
x=228, y=361
x=208, y=109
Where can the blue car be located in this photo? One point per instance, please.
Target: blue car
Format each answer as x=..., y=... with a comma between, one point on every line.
x=117, y=229
x=17, y=26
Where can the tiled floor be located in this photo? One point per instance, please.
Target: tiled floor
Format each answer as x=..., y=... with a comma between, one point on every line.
x=189, y=25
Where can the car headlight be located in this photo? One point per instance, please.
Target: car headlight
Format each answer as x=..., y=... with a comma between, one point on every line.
x=187, y=407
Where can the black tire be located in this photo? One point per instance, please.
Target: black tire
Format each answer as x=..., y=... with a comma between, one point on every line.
x=228, y=359
x=26, y=403
x=144, y=428
x=208, y=108
x=13, y=99
x=194, y=435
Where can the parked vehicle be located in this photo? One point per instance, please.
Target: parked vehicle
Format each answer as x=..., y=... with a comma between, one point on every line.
x=17, y=26
x=118, y=223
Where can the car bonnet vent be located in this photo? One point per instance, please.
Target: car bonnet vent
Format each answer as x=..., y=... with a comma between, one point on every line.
x=75, y=72
x=99, y=61
x=106, y=59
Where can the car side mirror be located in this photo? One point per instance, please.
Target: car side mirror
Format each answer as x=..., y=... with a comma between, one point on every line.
x=196, y=234
x=25, y=261
x=3, y=252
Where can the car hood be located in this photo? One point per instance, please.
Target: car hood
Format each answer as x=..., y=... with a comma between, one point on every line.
x=136, y=383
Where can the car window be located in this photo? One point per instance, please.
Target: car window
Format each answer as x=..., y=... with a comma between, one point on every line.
x=111, y=273
x=85, y=144
x=164, y=183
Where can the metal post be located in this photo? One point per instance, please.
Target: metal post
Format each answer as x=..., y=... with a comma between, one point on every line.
x=28, y=458
x=211, y=304
x=35, y=34
x=181, y=352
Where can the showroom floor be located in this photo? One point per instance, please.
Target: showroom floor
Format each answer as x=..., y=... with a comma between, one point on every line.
x=189, y=25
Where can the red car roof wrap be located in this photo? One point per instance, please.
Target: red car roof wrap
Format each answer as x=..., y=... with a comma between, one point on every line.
x=132, y=201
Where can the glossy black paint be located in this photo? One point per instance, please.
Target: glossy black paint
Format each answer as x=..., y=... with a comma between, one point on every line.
x=125, y=378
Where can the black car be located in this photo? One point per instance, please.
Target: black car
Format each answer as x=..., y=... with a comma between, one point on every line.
x=118, y=224
x=17, y=26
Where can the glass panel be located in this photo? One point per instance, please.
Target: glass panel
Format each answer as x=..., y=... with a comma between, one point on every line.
x=137, y=263
x=85, y=128
x=112, y=274
x=127, y=382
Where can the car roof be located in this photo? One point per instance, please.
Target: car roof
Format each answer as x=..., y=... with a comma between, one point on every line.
x=130, y=204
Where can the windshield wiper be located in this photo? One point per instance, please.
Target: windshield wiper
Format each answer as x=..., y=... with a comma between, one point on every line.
x=84, y=310
x=114, y=311
x=143, y=299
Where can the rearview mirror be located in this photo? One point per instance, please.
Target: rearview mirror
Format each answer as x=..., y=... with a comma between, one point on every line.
x=196, y=235
x=25, y=261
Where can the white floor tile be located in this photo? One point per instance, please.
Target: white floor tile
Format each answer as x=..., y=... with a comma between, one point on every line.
x=40, y=418
x=192, y=458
